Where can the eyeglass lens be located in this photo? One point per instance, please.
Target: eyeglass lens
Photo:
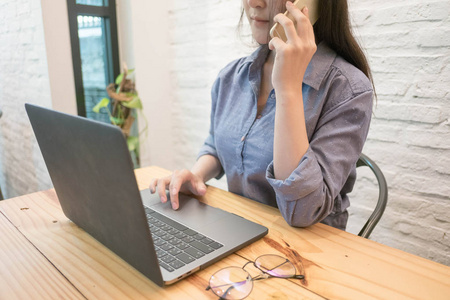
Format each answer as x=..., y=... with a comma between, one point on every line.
x=275, y=266
x=236, y=283
x=231, y=283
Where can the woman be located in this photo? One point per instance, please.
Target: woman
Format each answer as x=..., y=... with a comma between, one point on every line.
x=288, y=122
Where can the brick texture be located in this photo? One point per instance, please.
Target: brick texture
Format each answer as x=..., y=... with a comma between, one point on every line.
x=408, y=46
x=23, y=78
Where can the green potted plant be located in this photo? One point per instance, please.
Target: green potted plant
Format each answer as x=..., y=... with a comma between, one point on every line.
x=125, y=104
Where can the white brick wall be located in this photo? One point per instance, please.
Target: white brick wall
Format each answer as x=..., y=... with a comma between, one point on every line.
x=408, y=44
x=23, y=78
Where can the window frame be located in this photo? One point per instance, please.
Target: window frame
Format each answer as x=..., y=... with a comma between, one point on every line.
x=112, y=44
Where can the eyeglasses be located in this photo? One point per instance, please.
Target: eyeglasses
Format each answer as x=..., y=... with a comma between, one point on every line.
x=236, y=283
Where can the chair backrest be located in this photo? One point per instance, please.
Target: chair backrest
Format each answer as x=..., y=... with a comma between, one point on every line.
x=364, y=160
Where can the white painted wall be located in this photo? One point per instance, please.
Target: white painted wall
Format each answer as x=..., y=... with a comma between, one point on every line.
x=59, y=56
x=153, y=58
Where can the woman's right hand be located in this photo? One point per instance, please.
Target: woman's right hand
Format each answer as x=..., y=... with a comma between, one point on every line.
x=183, y=181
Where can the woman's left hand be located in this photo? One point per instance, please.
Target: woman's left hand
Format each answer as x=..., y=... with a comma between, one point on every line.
x=292, y=58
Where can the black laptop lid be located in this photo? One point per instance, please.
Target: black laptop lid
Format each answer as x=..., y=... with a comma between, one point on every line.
x=93, y=176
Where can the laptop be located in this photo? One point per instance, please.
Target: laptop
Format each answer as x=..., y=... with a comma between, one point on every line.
x=92, y=173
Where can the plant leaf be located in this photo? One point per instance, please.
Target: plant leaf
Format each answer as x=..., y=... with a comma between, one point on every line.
x=133, y=143
x=116, y=121
x=102, y=103
x=119, y=78
x=135, y=103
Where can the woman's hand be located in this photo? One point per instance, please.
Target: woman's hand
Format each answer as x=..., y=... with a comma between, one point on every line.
x=292, y=58
x=290, y=63
x=180, y=181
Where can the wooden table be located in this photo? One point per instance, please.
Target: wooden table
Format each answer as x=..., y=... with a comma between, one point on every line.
x=43, y=255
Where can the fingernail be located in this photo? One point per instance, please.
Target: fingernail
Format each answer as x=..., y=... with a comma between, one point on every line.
x=175, y=206
x=163, y=199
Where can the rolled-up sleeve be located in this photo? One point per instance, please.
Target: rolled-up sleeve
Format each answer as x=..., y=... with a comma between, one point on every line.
x=312, y=191
x=209, y=146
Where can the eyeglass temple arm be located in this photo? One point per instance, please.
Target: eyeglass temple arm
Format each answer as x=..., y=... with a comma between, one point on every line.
x=265, y=272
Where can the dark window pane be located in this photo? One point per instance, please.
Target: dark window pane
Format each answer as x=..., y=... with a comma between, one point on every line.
x=94, y=63
x=93, y=2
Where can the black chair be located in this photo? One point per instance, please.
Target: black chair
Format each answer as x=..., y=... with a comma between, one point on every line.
x=364, y=160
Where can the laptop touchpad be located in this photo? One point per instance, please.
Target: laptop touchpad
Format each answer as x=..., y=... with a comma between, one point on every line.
x=191, y=212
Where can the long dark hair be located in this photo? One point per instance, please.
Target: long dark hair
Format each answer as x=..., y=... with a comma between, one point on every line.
x=333, y=28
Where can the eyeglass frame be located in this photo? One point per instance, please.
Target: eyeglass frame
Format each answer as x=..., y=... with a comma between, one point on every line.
x=263, y=275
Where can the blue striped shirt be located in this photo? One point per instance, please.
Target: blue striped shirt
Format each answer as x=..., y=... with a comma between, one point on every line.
x=337, y=100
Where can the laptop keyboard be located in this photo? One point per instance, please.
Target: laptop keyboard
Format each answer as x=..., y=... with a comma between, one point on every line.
x=177, y=245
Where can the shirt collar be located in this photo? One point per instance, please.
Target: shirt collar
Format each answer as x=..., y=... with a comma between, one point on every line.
x=315, y=73
x=259, y=56
x=319, y=66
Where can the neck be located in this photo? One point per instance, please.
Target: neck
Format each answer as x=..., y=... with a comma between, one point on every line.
x=270, y=58
x=266, y=79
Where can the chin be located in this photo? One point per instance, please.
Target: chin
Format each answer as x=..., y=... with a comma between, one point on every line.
x=261, y=35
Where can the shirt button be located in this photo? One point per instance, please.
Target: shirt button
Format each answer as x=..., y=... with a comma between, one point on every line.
x=242, y=138
x=259, y=117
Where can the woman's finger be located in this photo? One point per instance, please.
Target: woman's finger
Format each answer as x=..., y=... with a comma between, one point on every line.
x=310, y=30
x=197, y=186
x=288, y=26
x=161, y=187
x=152, y=185
x=305, y=11
x=276, y=43
x=301, y=18
x=178, y=179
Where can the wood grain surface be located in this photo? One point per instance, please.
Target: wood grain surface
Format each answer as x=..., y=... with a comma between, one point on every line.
x=58, y=260
x=25, y=273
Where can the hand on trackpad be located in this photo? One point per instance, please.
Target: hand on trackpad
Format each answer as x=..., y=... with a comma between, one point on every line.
x=183, y=181
x=192, y=212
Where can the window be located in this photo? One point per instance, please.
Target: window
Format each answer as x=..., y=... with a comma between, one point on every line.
x=93, y=2
x=95, y=55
